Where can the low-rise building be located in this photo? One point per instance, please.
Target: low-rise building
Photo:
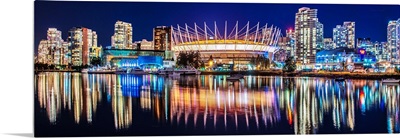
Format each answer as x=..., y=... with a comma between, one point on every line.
x=341, y=57
x=133, y=58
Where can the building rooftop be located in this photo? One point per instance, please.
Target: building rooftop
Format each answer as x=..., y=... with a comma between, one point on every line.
x=336, y=51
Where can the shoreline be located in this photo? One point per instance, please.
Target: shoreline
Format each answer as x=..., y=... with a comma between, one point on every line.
x=346, y=75
x=36, y=71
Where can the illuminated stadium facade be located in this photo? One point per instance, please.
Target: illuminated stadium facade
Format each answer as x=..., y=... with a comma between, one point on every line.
x=229, y=46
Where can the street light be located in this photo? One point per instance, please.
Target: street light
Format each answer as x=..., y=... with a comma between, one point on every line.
x=210, y=64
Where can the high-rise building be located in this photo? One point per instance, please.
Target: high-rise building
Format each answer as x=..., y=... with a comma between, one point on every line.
x=306, y=24
x=94, y=38
x=382, y=53
x=43, y=52
x=75, y=38
x=66, y=53
x=291, y=36
x=328, y=44
x=344, y=36
x=89, y=39
x=393, y=40
x=55, y=43
x=81, y=40
x=284, y=43
x=51, y=50
x=339, y=36
x=320, y=36
x=122, y=38
x=351, y=33
x=162, y=36
x=386, y=51
x=398, y=32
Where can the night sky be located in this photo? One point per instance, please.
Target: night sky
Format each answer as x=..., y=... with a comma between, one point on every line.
x=371, y=20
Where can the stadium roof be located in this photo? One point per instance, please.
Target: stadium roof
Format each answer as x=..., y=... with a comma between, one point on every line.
x=256, y=34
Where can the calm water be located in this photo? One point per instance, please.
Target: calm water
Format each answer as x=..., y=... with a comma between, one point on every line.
x=74, y=104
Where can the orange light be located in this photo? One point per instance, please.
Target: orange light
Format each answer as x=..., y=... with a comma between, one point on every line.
x=362, y=51
x=210, y=63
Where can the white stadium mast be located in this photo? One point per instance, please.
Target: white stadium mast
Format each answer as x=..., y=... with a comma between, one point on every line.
x=248, y=38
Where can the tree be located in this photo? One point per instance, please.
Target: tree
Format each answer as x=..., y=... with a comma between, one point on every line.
x=52, y=66
x=258, y=61
x=182, y=59
x=202, y=65
x=40, y=66
x=397, y=70
x=211, y=58
x=76, y=67
x=189, y=58
x=95, y=61
x=197, y=59
x=263, y=62
x=252, y=60
x=273, y=64
x=85, y=66
x=63, y=66
x=267, y=63
x=290, y=65
x=344, y=66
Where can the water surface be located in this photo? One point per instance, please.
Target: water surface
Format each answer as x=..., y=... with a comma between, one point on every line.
x=74, y=104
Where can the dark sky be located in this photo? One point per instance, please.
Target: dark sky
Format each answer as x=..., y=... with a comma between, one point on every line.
x=371, y=20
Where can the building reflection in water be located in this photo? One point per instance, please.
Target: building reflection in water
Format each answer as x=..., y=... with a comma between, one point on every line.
x=68, y=91
x=121, y=105
x=232, y=102
x=210, y=101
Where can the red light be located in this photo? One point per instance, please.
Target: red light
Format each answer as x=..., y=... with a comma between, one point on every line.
x=362, y=98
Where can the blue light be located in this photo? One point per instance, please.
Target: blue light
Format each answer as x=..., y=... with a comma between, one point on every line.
x=108, y=98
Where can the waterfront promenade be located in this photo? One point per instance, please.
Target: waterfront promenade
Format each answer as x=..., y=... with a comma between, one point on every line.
x=347, y=75
x=53, y=70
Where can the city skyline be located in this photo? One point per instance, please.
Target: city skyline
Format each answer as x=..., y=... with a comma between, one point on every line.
x=371, y=20
x=129, y=68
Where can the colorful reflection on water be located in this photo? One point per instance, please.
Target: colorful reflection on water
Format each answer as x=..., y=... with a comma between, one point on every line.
x=305, y=104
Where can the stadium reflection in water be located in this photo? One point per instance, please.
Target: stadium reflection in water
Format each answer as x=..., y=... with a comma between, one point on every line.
x=304, y=104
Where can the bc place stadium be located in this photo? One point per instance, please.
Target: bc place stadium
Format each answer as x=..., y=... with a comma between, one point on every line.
x=230, y=46
x=225, y=45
